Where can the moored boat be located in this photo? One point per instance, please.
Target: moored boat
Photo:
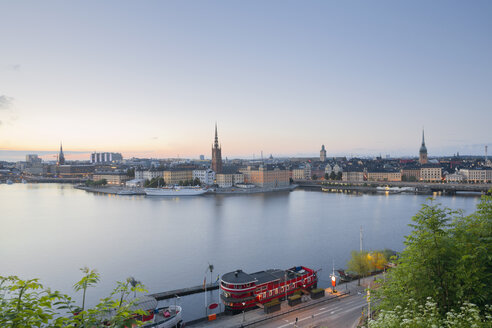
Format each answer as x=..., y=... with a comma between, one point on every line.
x=175, y=191
x=241, y=290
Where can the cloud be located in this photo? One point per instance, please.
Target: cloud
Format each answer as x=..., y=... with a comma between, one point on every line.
x=15, y=67
x=6, y=102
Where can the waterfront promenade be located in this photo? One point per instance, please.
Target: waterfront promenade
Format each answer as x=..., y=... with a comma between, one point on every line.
x=342, y=309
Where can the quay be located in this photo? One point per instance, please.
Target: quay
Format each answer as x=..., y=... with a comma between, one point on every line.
x=420, y=187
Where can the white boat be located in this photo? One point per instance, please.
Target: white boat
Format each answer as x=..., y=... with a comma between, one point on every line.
x=395, y=190
x=175, y=191
x=9, y=182
x=163, y=317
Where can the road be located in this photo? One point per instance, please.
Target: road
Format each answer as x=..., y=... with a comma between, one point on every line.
x=343, y=312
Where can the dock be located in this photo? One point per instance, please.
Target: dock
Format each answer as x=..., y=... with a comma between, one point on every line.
x=184, y=291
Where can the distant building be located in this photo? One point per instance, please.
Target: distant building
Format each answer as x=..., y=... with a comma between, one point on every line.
x=74, y=170
x=206, y=176
x=113, y=178
x=61, y=156
x=216, y=154
x=410, y=173
x=322, y=154
x=101, y=158
x=302, y=173
x=32, y=159
x=423, y=151
x=175, y=176
x=267, y=176
x=383, y=175
x=431, y=172
x=149, y=174
x=353, y=175
x=227, y=180
x=202, y=157
x=477, y=175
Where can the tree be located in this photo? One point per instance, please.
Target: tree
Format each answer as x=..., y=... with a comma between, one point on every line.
x=131, y=172
x=26, y=303
x=377, y=261
x=359, y=263
x=333, y=176
x=327, y=176
x=446, y=258
x=339, y=176
x=314, y=177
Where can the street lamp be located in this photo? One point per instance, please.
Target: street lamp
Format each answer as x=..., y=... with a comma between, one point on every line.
x=243, y=311
x=333, y=283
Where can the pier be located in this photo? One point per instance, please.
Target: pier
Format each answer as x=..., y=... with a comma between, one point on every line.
x=184, y=291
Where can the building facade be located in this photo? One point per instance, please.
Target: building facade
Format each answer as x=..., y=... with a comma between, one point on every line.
x=113, y=178
x=175, y=176
x=106, y=157
x=206, y=177
x=267, y=176
x=357, y=176
x=383, y=175
x=430, y=172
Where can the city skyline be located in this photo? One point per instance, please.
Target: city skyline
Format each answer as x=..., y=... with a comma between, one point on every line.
x=149, y=81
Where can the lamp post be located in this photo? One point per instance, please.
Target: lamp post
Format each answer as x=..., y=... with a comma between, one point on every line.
x=244, y=319
x=333, y=283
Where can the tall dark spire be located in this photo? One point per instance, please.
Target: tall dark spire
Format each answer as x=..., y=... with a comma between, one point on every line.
x=61, y=156
x=216, y=142
x=423, y=151
x=423, y=140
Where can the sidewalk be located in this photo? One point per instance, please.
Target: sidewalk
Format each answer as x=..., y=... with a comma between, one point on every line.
x=250, y=317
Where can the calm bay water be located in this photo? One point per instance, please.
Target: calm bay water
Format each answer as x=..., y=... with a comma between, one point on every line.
x=49, y=231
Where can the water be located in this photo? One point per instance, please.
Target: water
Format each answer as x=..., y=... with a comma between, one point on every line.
x=49, y=231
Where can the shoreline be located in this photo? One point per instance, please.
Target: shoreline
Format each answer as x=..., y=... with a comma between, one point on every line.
x=113, y=190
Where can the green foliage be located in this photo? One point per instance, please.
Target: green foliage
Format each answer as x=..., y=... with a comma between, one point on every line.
x=314, y=177
x=155, y=182
x=359, y=263
x=190, y=182
x=26, y=303
x=333, y=175
x=447, y=258
x=327, y=176
x=97, y=183
x=131, y=172
x=415, y=315
x=338, y=176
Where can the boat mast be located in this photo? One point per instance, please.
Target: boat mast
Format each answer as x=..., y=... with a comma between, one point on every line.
x=361, y=238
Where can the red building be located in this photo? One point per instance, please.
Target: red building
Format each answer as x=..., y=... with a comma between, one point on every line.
x=241, y=290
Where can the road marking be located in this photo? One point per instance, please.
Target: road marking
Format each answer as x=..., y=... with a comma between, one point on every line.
x=322, y=309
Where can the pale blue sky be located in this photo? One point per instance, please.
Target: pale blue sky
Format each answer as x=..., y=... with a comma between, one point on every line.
x=150, y=78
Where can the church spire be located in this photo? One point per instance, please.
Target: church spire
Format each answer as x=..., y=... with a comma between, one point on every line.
x=423, y=140
x=216, y=142
x=61, y=156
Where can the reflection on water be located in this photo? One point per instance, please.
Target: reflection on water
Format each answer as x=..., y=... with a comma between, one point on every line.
x=50, y=231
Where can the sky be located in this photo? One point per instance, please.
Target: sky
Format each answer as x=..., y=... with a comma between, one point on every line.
x=151, y=78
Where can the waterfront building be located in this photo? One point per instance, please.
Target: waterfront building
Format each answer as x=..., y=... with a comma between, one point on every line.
x=61, y=156
x=206, y=176
x=383, y=175
x=175, y=176
x=113, y=178
x=431, y=172
x=74, y=171
x=322, y=154
x=267, y=176
x=423, y=151
x=455, y=177
x=302, y=172
x=227, y=180
x=337, y=168
x=105, y=157
x=477, y=175
x=356, y=175
x=149, y=174
x=410, y=173
x=216, y=154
